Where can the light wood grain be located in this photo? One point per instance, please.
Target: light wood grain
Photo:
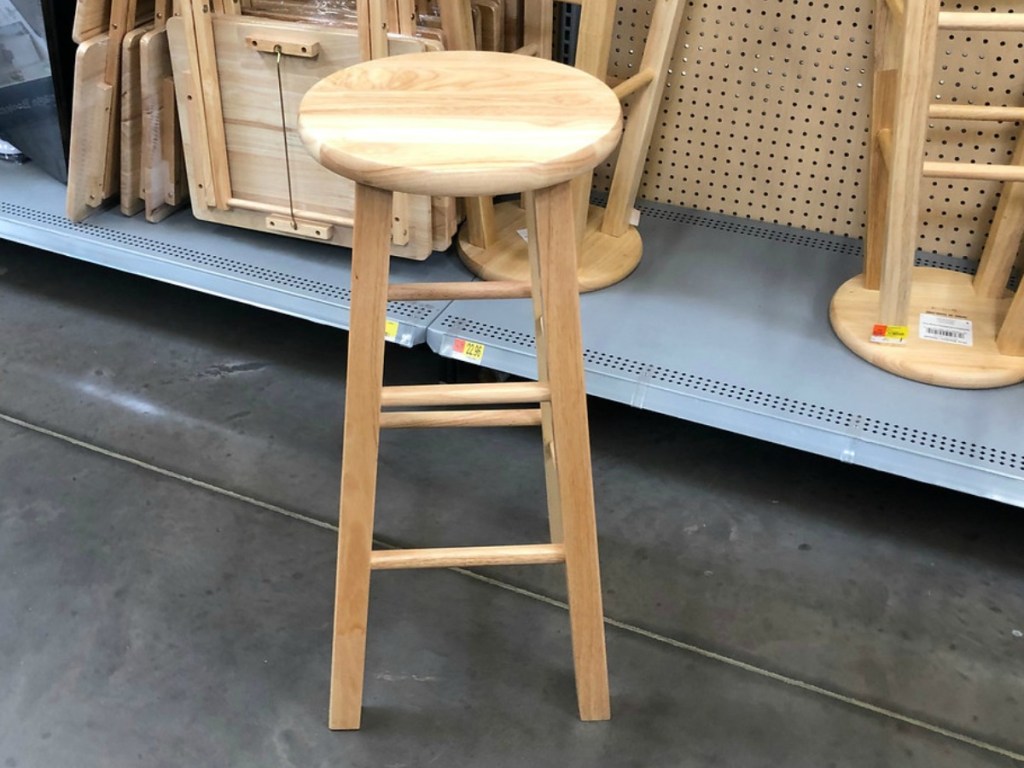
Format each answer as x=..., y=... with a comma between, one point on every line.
x=604, y=260
x=988, y=172
x=559, y=299
x=910, y=116
x=1010, y=339
x=372, y=236
x=1004, y=236
x=981, y=22
x=163, y=172
x=855, y=310
x=417, y=123
x=538, y=26
x=975, y=112
x=512, y=417
x=89, y=125
x=491, y=15
x=252, y=128
x=885, y=64
x=666, y=19
x=209, y=80
x=191, y=110
x=457, y=24
x=92, y=18
x=551, y=487
x=455, y=291
x=467, y=557
x=465, y=394
x=132, y=136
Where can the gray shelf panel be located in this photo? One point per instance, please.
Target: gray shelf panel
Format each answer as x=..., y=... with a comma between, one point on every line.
x=725, y=323
x=297, y=277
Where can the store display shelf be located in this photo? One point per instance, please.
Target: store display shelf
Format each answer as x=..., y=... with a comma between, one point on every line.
x=725, y=323
x=297, y=277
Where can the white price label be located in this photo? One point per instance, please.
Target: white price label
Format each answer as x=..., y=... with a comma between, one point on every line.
x=949, y=330
x=524, y=233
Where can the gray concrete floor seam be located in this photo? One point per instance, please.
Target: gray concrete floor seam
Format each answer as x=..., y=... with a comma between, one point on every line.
x=633, y=629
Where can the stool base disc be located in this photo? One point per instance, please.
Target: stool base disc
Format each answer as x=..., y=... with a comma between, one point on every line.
x=605, y=260
x=854, y=311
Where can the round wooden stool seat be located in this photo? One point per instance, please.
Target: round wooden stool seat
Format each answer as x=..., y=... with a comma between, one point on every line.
x=461, y=123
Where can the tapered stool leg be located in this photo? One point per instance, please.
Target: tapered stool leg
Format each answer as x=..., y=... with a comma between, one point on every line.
x=370, y=245
x=561, y=339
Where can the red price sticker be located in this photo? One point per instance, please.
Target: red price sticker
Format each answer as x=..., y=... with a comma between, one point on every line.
x=470, y=351
x=889, y=334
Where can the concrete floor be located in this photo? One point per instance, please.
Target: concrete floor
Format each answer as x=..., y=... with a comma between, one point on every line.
x=168, y=461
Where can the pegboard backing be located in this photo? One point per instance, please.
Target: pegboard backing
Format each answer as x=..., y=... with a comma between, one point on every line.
x=766, y=115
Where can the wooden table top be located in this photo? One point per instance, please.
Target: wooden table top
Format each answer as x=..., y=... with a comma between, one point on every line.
x=462, y=123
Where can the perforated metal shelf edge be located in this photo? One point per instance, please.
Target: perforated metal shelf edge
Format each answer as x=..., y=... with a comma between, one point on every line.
x=725, y=323
x=292, y=276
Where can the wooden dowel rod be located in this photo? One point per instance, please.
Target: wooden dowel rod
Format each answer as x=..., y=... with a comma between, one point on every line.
x=530, y=49
x=884, y=139
x=499, y=289
x=982, y=22
x=517, y=554
x=465, y=394
x=518, y=417
x=975, y=112
x=937, y=170
x=280, y=210
x=633, y=84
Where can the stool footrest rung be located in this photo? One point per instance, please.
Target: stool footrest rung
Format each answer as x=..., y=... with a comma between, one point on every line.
x=465, y=394
x=515, y=554
x=504, y=417
x=496, y=289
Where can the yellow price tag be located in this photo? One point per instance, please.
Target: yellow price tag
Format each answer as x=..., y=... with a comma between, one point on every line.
x=390, y=330
x=889, y=334
x=470, y=351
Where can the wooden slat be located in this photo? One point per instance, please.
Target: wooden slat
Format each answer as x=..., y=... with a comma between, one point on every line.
x=1004, y=236
x=469, y=557
x=975, y=112
x=210, y=82
x=191, y=107
x=909, y=124
x=559, y=299
x=132, y=135
x=372, y=237
x=464, y=394
x=541, y=347
x=987, y=172
x=982, y=22
x=518, y=417
x=282, y=210
x=501, y=289
x=643, y=115
x=1010, y=338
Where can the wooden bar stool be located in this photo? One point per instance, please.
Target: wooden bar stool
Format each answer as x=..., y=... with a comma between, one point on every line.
x=923, y=323
x=466, y=124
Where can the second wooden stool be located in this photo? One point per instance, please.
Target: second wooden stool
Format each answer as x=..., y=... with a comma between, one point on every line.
x=466, y=124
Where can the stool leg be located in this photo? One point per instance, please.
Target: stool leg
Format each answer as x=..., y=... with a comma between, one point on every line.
x=364, y=379
x=555, y=261
x=550, y=471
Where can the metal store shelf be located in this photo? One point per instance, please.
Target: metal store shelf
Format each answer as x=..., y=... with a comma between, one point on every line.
x=725, y=323
x=296, y=277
